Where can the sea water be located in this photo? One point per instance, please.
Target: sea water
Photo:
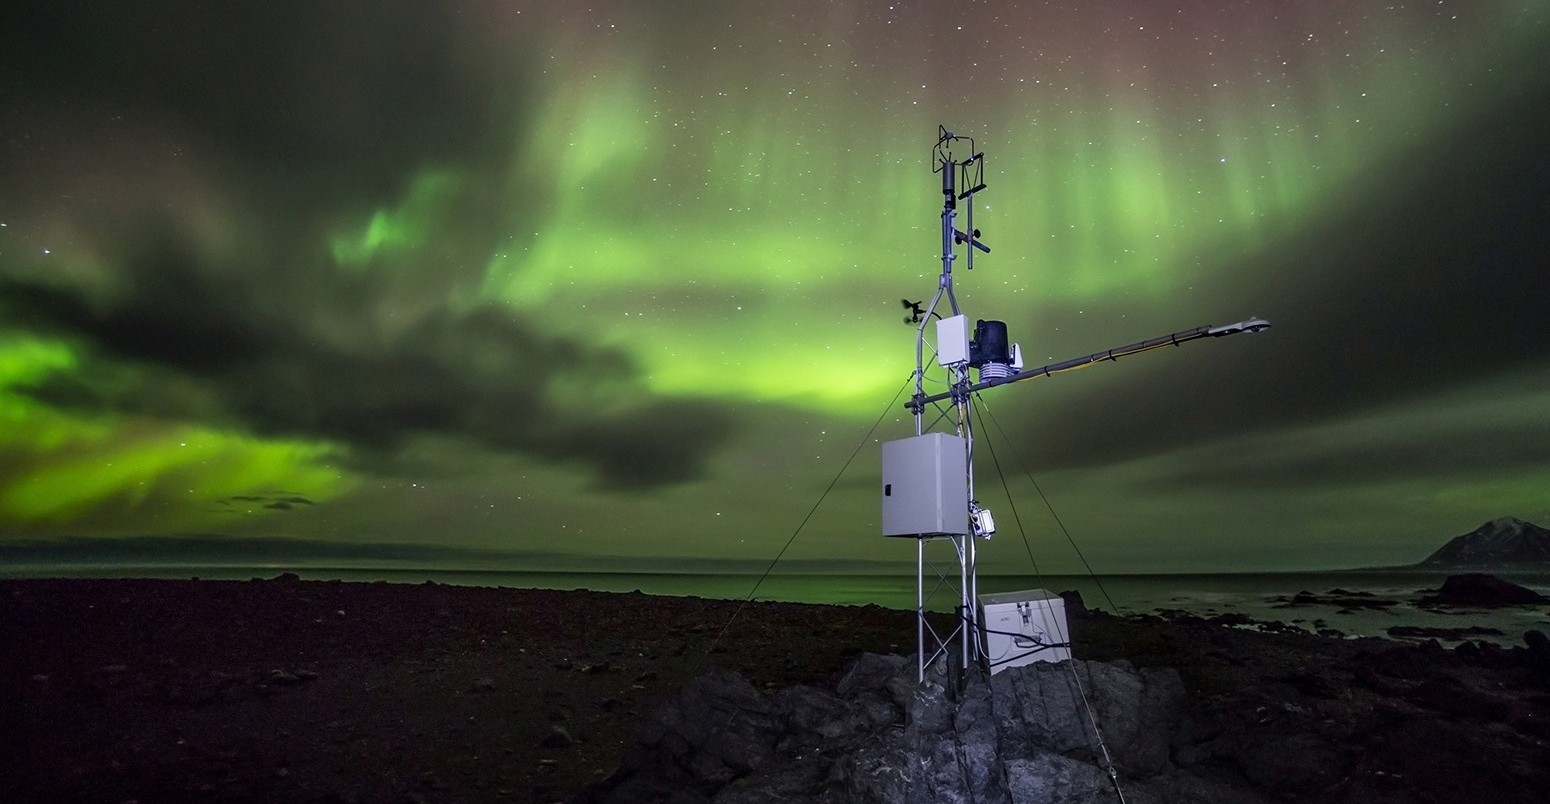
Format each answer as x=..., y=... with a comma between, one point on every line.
x=1260, y=596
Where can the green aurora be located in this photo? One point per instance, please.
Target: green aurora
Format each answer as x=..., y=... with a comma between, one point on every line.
x=623, y=283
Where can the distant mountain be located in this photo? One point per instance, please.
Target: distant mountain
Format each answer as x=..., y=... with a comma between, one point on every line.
x=1501, y=543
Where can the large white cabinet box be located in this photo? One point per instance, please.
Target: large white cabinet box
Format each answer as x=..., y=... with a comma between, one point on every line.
x=1024, y=627
x=926, y=486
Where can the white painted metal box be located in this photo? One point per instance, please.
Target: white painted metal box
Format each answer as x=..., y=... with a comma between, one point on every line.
x=925, y=486
x=1024, y=627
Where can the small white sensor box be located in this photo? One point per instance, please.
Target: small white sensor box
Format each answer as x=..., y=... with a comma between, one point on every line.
x=952, y=341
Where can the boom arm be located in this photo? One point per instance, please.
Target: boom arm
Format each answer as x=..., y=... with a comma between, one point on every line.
x=1175, y=339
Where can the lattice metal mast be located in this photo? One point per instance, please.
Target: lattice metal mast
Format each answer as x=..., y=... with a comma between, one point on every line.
x=960, y=165
x=998, y=363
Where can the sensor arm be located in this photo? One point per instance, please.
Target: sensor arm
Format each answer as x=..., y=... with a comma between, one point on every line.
x=1175, y=339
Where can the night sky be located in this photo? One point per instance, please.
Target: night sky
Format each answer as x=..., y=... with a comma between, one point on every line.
x=618, y=287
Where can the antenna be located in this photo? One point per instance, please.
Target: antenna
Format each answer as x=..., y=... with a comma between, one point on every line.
x=928, y=480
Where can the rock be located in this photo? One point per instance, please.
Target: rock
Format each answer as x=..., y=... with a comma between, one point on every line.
x=1347, y=600
x=812, y=710
x=1185, y=787
x=1492, y=654
x=1075, y=607
x=1047, y=776
x=282, y=678
x=1538, y=656
x=1454, y=698
x=870, y=672
x=1479, y=589
x=716, y=728
x=1316, y=684
x=482, y=685
x=286, y=577
x=1041, y=706
x=1293, y=763
x=930, y=708
x=557, y=737
x=776, y=785
x=1299, y=730
x=979, y=744
x=878, y=772
x=1450, y=634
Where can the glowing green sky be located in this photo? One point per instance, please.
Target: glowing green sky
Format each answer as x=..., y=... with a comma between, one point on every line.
x=623, y=283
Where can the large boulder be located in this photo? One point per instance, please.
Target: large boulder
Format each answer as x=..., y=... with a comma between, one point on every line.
x=1538, y=656
x=1479, y=589
x=716, y=728
x=947, y=753
x=883, y=737
x=1044, y=706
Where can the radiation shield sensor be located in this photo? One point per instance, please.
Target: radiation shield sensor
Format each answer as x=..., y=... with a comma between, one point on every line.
x=992, y=353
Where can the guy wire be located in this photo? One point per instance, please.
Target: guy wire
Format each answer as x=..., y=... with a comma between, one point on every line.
x=767, y=570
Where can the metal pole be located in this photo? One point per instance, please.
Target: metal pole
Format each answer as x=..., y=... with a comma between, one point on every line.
x=920, y=610
x=966, y=614
x=963, y=606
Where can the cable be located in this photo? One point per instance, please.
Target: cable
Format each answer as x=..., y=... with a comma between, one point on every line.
x=1026, y=654
x=803, y=524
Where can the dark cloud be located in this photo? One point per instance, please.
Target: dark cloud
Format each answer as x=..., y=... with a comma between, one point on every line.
x=1431, y=275
x=194, y=550
x=659, y=443
x=274, y=502
x=315, y=115
x=175, y=312
x=315, y=95
x=1283, y=463
x=218, y=549
x=228, y=341
x=482, y=376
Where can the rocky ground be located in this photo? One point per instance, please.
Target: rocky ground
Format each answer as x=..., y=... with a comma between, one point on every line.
x=285, y=690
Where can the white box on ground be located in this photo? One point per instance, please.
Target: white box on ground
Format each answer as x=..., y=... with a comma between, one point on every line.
x=1024, y=627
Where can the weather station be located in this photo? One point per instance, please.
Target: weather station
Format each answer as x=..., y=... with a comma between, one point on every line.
x=928, y=491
